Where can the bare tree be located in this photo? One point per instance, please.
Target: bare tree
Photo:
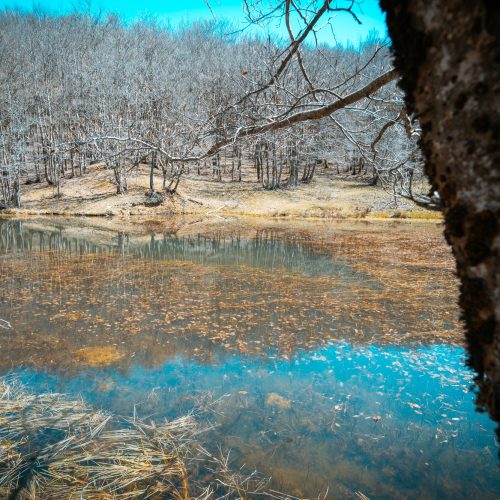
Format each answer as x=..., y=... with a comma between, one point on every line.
x=124, y=96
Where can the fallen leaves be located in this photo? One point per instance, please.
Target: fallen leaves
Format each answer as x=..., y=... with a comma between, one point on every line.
x=276, y=401
x=270, y=294
x=99, y=356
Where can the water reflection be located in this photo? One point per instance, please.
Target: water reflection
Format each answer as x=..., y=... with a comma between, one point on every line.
x=267, y=249
x=338, y=348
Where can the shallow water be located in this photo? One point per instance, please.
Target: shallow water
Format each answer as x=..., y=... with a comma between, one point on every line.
x=332, y=350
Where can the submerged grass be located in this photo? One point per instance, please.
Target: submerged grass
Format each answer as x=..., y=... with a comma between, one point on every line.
x=54, y=447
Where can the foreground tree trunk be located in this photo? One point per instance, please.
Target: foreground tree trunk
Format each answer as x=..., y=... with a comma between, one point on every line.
x=448, y=53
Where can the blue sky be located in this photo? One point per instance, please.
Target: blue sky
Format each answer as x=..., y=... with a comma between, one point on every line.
x=178, y=11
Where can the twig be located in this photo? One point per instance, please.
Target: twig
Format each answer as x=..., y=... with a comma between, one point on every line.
x=5, y=324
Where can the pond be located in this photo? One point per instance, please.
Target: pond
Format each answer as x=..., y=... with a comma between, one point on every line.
x=330, y=352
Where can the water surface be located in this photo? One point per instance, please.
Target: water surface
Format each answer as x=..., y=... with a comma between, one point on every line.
x=334, y=350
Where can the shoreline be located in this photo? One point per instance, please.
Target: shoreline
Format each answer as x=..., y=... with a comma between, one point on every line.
x=327, y=197
x=20, y=213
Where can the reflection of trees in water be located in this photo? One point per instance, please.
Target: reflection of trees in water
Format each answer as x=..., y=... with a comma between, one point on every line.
x=17, y=236
x=267, y=248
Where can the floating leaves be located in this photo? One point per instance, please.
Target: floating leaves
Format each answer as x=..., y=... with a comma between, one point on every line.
x=268, y=293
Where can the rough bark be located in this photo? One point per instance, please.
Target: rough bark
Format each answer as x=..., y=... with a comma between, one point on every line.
x=448, y=54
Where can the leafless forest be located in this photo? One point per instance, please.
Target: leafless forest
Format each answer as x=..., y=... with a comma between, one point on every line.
x=82, y=89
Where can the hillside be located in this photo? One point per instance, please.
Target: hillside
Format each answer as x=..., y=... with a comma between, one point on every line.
x=329, y=195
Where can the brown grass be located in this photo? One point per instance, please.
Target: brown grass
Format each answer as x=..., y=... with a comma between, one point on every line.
x=328, y=196
x=58, y=448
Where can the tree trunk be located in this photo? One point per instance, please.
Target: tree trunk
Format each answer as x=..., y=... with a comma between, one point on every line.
x=152, y=172
x=17, y=191
x=448, y=53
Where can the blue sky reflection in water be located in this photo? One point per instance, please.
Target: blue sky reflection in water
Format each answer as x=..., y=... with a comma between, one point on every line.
x=385, y=421
x=386, y=418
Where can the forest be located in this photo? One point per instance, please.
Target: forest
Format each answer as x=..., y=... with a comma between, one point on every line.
x=201, y=99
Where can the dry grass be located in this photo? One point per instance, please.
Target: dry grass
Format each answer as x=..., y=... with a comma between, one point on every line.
x=58, y=448
x=328, y=196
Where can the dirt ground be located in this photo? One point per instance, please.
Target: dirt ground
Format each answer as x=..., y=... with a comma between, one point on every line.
x=329, y=195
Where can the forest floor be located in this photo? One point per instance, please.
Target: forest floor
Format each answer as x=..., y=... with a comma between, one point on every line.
x=329, y=195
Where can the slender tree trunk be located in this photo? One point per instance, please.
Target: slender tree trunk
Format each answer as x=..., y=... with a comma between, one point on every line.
x=164, y=169
x=152, y=172
x=17, y=190
x=72, y=158
x=448, y=52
